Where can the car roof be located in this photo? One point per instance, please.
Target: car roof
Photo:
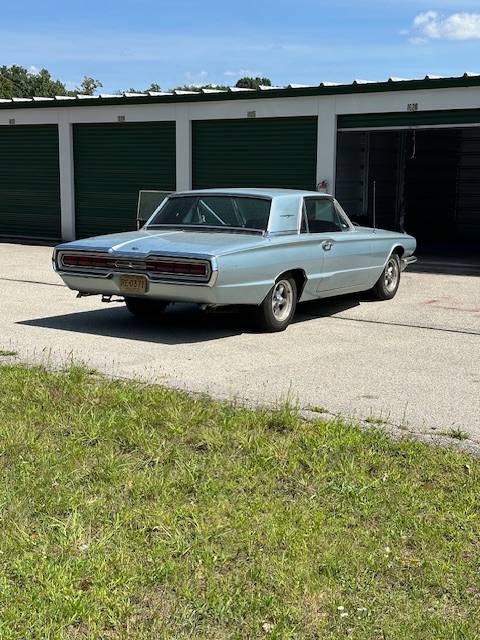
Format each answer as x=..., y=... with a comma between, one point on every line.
x=265, y=193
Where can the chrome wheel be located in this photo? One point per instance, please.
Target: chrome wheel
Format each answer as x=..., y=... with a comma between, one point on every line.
x=282, y=300
x=392, y=274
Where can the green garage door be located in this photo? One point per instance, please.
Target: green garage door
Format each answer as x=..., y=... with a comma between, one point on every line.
x=260, y=152
x=112, y=163
x=29, y=181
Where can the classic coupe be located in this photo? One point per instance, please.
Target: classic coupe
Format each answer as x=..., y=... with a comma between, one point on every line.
x=265, y=248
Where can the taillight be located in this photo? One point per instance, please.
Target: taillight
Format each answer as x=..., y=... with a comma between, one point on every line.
x=166, y=267
x=85, y=261
x=184, y=268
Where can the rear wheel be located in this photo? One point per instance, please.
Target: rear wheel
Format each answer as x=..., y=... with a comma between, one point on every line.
x=277, y=310
x=387, y=285
x=146, y=308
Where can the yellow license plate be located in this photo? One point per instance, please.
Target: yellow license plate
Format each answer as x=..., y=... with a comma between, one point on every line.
x=133, y=284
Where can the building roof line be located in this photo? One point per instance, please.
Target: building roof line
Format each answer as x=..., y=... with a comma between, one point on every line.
x=468, y=79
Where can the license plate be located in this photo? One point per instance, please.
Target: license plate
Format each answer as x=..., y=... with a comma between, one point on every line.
x=133, y=284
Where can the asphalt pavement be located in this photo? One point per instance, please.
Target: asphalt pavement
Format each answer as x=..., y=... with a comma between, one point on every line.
x=413, y=362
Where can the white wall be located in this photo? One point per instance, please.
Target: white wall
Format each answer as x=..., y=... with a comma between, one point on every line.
x=327, y=108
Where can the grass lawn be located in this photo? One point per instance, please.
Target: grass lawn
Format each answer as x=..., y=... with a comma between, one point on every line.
x=140, y=512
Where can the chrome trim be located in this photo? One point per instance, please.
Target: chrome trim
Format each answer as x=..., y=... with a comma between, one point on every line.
x=108, y=273
x=336, y=205
x=405, y=262
x=200, y=192
x=206, y=228
x=131, y=264
x=218, y=193
x=285, y=232
x=214, y=271
x=138, y=219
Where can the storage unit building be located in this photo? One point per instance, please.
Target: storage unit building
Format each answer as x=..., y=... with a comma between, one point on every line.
x=406, y=151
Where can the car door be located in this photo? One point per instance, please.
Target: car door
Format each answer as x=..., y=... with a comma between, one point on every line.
x=346, y=252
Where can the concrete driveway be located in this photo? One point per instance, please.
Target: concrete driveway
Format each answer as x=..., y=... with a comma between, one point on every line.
x=413, y=361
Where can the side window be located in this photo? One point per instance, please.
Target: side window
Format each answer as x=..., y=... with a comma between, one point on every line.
x=322, y=216
x=303, y=225
x=344, y=220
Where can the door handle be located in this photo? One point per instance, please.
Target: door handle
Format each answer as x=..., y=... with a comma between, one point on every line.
x=327, y=245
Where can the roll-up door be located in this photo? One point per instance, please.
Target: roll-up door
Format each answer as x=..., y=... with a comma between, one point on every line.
x=113, y=162
x=29, y=182
x=255, y=152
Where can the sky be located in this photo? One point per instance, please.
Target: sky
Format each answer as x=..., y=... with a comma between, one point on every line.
x=130, y=44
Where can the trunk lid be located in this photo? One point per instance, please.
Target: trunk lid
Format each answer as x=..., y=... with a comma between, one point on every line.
x=168, y=241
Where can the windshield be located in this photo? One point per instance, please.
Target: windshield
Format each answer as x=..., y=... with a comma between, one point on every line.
x=214, y=211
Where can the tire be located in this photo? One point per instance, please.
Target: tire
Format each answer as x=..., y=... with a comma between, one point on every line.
x=388, y=283
x=145, y=308
x=277, y=310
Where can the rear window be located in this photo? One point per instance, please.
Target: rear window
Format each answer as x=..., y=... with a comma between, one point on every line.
x=214, y=211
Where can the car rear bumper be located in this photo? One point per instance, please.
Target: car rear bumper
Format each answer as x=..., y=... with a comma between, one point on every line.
x=245, y=293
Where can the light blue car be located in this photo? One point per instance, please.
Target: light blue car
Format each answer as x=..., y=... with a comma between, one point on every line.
x=267, y=248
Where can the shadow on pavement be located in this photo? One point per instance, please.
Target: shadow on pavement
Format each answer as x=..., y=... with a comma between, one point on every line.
x=453, y=264
x=29, y=242
x=328, y=306
x=181, y=324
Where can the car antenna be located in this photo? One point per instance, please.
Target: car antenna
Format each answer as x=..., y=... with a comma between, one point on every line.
x=374, y=205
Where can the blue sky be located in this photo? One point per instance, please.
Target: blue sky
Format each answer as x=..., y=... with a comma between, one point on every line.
x=131, y=44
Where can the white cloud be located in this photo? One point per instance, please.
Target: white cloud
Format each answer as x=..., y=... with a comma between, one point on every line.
x=196, y=78
x=240, y=73
x=33, y=70
x=431, y=25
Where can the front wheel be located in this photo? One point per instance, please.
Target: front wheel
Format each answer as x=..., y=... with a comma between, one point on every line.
x=387, y=285
x=146, y=308
x=277, y=310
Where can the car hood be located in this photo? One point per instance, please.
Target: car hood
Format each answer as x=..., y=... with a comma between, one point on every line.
x=168, y=241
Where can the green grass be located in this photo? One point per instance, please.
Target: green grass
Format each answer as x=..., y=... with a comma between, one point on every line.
x=139, y=512
x=456, y=434
x=375, y=420
x=5, y=353
x=318, y=409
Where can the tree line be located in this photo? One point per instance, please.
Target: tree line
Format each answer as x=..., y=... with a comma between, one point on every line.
x=19, y=82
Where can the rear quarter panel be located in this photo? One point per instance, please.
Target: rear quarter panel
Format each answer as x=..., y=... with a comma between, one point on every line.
x=250, y=274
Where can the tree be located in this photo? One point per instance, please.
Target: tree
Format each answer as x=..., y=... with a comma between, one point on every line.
x=253, y=83
x=88, y=86
x=199, y=87
x=154, y=86
x=19, y=82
